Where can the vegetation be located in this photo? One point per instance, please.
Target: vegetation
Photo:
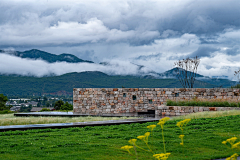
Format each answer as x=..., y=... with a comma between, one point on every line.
x=45, y=109
x=58, y=105
x=3, y=100
x=203, y=103
x=208, y=114
x=10, y=119
x=66, y=107
x=203, y=140
x=6, y=112
x=186, y=71
x=25, y=109
x=236, y=86
x=51, y=58
x=64, y=84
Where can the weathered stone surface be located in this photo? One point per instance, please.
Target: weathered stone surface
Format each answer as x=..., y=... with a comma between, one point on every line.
x=122, y=100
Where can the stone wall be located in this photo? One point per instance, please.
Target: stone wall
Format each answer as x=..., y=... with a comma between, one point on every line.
x=132, y=100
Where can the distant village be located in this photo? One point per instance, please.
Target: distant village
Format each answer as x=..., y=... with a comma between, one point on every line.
x=33, y=105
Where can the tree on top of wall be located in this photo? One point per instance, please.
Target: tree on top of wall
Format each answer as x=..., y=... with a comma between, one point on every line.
x=237, y=74
x=186, y=70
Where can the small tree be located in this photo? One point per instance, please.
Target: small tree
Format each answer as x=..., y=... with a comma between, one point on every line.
x=3, y=100
x=58, y=104
x=237, y=74
x=67, y=107
x=186, y=70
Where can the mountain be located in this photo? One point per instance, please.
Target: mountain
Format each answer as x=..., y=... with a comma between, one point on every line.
x=51, y=58
x=64, y=84
x=220, y=83
x=172, y=74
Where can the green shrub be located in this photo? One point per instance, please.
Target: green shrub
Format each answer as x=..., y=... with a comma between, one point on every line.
x=169, y=103
x=232, y=104
x=66, y=107
x=45, y=109
x=58, y=105
x=6, y=112
x=238, y=104
x=202, y=103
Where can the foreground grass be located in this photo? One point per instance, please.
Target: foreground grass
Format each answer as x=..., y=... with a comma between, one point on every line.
x=208, y=114
x=202, y=140
x=10, y=119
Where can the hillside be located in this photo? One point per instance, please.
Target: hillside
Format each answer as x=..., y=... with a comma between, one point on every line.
x=51, y=58
x=64, y=84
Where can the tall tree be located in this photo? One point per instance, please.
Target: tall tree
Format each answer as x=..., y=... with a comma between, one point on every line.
x=3, y=100
x=186, y=71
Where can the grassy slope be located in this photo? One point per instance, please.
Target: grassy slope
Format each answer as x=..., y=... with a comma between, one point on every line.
x=28, y=85
x=203, y=139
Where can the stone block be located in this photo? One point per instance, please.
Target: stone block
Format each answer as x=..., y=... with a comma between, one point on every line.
x=168, y=92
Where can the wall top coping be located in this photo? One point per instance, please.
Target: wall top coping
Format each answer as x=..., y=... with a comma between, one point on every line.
x=160, y=89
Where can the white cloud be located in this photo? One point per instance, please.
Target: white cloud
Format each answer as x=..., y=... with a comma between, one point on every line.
x=41, y=68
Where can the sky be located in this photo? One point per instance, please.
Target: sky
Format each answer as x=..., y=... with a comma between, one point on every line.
x=124, y=33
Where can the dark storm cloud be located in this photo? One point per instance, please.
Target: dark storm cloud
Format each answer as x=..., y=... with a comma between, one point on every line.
x=233, y=51
x=104, y=31
x=203, y=51
x=133, y=22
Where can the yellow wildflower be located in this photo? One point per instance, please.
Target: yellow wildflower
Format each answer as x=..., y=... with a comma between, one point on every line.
x=162, y=156
x=141, y=137
x=224, y=142
x=147, y=134
x=231, y=140
x=132, y=141
x=183, y=123
x=127, y=148
x=151, y=127
x=144, y=137
x=236, y=145
x=162, y=121
x=233, y=157
x=181, y=136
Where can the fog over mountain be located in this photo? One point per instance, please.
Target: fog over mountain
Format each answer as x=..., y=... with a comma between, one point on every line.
x=124, y=33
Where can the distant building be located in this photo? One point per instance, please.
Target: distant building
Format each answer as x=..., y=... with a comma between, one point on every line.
x=15, y=108
x=31, y=103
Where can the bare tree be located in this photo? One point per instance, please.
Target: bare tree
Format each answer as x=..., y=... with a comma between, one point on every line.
x=237, y=74
x=186, y=71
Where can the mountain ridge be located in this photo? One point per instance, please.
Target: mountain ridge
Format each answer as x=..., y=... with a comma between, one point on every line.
x=92, y=79
x=49, y=57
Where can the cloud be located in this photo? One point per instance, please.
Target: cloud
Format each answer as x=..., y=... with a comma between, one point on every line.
x=148, y=57
x=132, y=31
x=39, y=68
x=203, y=51
x=235, y=50
x=93, y=31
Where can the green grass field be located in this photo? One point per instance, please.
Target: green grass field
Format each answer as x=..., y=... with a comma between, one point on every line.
x=203, y=140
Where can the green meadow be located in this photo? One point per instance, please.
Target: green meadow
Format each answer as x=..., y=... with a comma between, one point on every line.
x=203, y=140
